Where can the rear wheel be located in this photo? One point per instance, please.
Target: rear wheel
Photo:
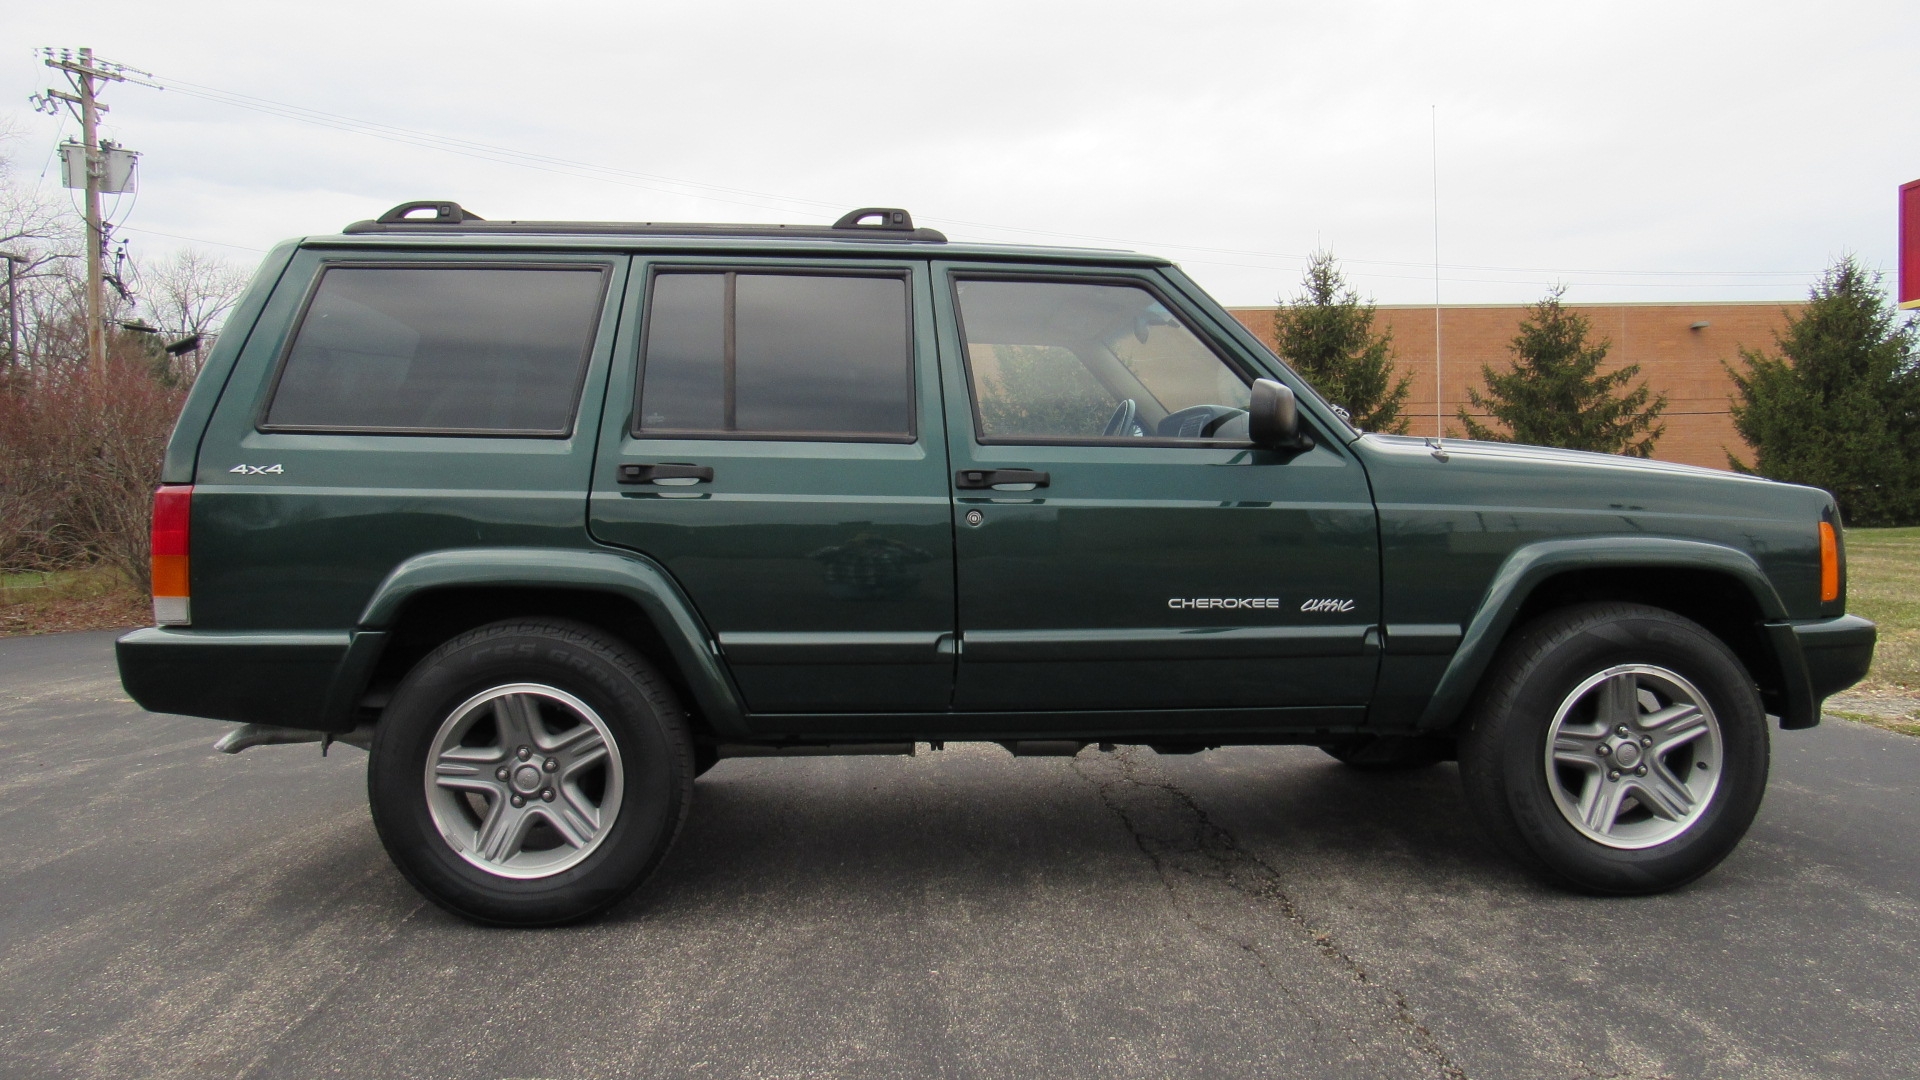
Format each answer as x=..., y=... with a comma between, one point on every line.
x=530, y=773
x=1616, y=748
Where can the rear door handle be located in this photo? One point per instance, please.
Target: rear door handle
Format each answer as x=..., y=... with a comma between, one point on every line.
x=671, y=475
x=1004, y=479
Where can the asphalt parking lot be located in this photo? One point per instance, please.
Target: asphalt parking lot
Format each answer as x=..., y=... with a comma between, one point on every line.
x=169, y=911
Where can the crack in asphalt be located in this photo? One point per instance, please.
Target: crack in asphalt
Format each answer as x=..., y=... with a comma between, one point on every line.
x=1247, y=874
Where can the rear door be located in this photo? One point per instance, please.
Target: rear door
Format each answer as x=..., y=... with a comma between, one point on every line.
x=1120, y=544
x=773, y=437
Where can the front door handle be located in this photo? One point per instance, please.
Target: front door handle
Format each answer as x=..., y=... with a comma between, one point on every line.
x=1007, y=479
x=673, y=475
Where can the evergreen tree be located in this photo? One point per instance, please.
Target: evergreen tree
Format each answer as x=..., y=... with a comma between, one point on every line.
x=1554, y=394
x=1839, y=407
x=1328, y=336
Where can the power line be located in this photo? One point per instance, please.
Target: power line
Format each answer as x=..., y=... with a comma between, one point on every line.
x=190, y=239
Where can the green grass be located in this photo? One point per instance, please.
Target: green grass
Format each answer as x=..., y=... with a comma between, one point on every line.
x=1883, y=584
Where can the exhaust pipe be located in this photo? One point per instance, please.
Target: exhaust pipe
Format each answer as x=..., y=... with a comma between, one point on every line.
x=247, y=735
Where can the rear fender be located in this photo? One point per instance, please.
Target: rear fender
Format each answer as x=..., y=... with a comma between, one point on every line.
x=630, y=577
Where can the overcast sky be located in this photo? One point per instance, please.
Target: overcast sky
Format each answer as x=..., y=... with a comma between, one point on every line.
x=1634, y=151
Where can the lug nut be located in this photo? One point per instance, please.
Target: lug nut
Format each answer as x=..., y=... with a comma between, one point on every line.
x=1613, y=774
x=549, y=764
x=1641, y=771
x=1646, y=740
x=526, y=753
x=518, y=801
x=546, y=795
x=1603, y=750
x=501, y=772
x=1621, y=730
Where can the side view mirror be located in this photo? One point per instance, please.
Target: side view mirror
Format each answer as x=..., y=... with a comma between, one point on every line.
x=1273, y=418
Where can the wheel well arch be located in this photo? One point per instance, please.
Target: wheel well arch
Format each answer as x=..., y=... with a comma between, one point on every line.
x=431, y=617
x=1719, y=602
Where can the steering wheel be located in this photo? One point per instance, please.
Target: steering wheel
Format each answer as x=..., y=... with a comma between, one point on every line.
x=1198, y=421
x=1124, y=421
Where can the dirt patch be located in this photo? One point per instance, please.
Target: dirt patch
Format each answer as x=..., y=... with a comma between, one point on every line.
x=1891, y=708
x=58, y=603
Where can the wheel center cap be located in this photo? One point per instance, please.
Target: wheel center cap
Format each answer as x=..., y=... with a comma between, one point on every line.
x=1627, y=754
x=526, y=779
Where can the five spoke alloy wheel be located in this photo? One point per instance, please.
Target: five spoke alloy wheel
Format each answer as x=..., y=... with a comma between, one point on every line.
x=1615, y=748
x=1633, y=756
x=523, y=780
x=530, y=772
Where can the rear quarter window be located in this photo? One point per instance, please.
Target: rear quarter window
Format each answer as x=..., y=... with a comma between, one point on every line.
x=440, y=350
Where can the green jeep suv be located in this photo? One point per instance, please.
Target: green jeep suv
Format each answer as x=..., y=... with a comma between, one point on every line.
x=551, y=516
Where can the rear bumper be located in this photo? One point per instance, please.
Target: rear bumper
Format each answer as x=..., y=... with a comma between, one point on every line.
x=294, y=679
x=1817, y=659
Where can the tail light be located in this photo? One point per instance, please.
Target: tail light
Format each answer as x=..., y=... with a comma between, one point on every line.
x=170, y=520
x=1829, y=563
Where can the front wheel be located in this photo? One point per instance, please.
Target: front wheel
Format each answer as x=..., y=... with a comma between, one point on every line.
x=530, y=773
x=1616, y=749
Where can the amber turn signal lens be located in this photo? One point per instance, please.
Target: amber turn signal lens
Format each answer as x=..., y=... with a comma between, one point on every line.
x=1829, y=563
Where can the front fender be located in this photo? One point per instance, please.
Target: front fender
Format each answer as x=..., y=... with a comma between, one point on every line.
x=631, y=577
x=1531, y=564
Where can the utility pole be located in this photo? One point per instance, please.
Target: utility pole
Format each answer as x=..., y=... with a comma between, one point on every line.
x=85, y=78
x=13, y=309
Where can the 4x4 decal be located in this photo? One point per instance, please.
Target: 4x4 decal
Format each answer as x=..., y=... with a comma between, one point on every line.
x=258, y=470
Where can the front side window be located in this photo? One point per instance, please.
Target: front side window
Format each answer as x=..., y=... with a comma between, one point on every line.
x=777, y=355
x=445, y=349
x=1053, y=361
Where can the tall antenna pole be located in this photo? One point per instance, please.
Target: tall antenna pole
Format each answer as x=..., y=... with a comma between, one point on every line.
x=1439, y=385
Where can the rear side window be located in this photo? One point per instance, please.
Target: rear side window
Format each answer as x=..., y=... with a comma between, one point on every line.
x=448, y=349
x=777, y=355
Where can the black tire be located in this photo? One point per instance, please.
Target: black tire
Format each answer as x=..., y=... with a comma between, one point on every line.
x=634, y=795
x=1646, y=652
x=1391, y=753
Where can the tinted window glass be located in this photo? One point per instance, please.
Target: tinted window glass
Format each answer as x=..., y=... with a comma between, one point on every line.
x=1064, y=360
x=777, y=354
x=451, y=349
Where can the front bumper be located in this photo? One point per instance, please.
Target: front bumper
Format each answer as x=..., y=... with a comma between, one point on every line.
x=295, y=679
x=1838, y=652
x=1818, y=659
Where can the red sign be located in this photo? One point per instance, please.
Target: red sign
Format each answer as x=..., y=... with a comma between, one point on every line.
x=1910, y=245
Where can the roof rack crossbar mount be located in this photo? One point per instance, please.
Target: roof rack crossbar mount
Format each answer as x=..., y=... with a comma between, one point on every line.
x=439, y=216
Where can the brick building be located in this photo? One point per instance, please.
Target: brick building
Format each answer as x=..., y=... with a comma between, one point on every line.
x=1679, y=347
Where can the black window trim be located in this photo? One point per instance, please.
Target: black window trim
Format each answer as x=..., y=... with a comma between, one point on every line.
x=604, y=268
x=956, y=275
x=733, y=269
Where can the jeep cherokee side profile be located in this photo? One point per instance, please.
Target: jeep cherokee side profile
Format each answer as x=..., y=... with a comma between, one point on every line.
x=551, y=516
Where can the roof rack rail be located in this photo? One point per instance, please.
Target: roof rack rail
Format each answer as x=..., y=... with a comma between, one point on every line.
x=436, y=216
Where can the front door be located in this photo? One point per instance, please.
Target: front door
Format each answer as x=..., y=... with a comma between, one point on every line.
x=1120, y=544
x=773, y=437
